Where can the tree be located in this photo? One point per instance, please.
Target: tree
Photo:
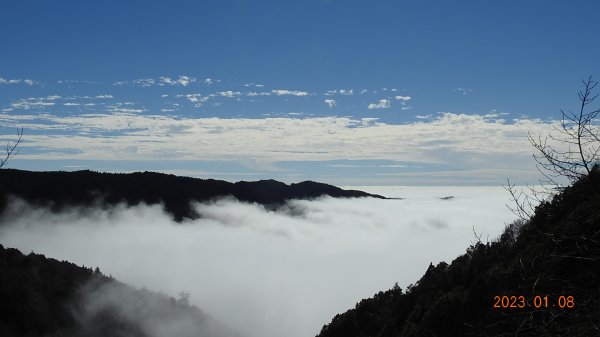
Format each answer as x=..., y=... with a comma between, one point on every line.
x=184, y=298
x=11, y=149
x=577, y=138
x=571, y=152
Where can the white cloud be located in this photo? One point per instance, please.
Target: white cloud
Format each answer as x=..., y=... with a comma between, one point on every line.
x=343, y=92
x=34, y=103
x=196, y=98
x=185, y=80
x=104, y=97
x=253, y=94
x=463, y=91
x=208, y=81
x=286, y=273
x=330, y=102
x=16, y=81
x=144, y=82
x=182, y=80
x=403, y=98
x=229, y=93
x=119, y=109
x=167, y=80
x=470, y=140
x=162, y=81
x=282, y=92
x=383, y=104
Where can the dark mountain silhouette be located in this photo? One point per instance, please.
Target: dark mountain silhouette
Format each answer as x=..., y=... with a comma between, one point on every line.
x=87, y=188
x=40, y=296
x=554, y=255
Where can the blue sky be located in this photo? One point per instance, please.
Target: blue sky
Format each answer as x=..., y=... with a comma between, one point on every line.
x=346, y=92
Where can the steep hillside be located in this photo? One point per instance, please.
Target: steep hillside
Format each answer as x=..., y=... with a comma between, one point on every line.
x=550, y=264
x=86, y=188
x=45, y=297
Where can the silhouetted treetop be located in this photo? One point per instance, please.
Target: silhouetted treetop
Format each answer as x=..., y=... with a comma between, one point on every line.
x=86, y=188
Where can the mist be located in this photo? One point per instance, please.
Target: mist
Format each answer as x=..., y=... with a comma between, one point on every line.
x=113, y=308
x=269, y=273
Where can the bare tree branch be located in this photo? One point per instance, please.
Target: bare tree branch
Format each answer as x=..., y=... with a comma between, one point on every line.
x=571, y=152
x=11, y=150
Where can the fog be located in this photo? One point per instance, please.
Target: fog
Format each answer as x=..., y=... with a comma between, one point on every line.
x=270, y=273
x=113, y=308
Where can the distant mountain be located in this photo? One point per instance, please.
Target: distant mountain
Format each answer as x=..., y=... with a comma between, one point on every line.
x=543, y=275
x=45, y=297
x=87, y=188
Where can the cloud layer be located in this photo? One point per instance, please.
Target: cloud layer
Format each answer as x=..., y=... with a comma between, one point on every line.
x=184, y=118
x=464, y=143
x=267, y=273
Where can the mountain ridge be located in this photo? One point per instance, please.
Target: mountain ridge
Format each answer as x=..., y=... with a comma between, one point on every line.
x=61, y=189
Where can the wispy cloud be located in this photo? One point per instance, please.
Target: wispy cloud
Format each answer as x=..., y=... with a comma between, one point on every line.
x=330, y=102
x=16, y=81
x=254, y=93
x=229, y=93
x=343, y=92
x=382, y=104
x=197, y=99
x=403, y=98
x=34, y=103
x=282, y=92
x=182, y=80
x=463, y=91
x=144, y=82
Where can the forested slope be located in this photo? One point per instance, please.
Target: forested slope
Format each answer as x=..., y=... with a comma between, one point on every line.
x=549, y=262
x=40, y=296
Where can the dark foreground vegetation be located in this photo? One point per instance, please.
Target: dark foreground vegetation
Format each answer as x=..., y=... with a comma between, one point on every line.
x=45, y=297
x=556, y=253
x=87, y=188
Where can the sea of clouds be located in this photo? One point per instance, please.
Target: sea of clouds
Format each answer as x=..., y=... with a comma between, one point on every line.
x=270, y=273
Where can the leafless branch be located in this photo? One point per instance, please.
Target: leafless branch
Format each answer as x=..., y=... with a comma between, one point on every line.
x=11, y=149
x=571, y=151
